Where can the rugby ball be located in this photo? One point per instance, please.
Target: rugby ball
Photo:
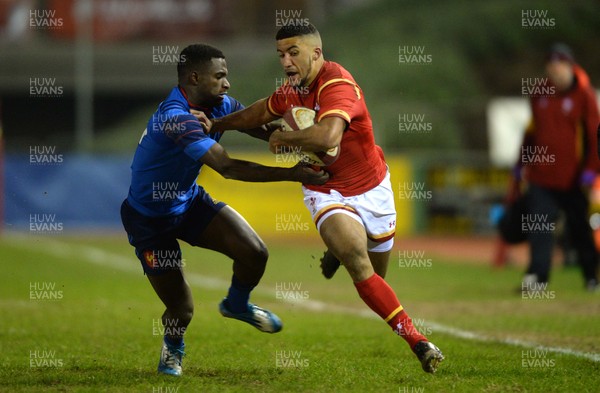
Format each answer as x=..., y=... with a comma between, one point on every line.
x=299, y=118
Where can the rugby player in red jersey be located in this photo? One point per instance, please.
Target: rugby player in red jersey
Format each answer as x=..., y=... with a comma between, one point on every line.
x=354, y=211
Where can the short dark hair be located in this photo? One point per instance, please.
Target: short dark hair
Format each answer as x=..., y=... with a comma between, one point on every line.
x=196, y=56
x=292, y=30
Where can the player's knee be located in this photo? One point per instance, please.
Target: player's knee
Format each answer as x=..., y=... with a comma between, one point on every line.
x=356, y=262
x=250, y=250
x=263, y=251
x=258, y=253
x=351, y=256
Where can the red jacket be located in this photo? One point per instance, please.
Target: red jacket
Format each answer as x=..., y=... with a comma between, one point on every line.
x=560, y=141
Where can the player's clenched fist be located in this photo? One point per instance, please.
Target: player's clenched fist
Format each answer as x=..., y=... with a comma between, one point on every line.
x=203, y=119
x=275, y=141
x=307, y=175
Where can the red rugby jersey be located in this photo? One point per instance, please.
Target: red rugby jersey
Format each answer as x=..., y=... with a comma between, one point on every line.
x=361, y=165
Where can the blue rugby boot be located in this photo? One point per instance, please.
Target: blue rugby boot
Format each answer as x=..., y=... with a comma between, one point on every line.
x=263, y=320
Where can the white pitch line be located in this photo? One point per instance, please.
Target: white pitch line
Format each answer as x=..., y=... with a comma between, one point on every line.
x=98, y=256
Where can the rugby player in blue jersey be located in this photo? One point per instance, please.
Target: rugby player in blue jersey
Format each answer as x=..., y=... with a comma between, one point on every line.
x=165, y=204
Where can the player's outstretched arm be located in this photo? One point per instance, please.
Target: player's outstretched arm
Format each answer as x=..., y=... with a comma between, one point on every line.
x=230, y=168
x=264, y=132
x=319, y=137
x=253, y=116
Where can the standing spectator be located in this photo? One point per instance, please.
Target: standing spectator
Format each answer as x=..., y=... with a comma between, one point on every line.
x=560, y=163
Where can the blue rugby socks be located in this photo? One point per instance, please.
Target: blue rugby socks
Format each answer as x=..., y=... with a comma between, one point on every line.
x=238, y=296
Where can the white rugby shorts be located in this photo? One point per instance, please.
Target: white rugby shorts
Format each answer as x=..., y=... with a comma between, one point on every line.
x=374, y=210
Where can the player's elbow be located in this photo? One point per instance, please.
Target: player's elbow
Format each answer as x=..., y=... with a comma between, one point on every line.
x=221, y=163
x=224, y=167
x=330, y=135
x=329, y=141
x=227, y=171
x=234, y=170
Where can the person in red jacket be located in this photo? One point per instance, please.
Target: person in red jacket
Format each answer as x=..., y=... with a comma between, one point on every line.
x=559, y=162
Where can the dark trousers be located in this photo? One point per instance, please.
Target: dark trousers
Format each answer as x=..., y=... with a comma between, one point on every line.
x=543, y=206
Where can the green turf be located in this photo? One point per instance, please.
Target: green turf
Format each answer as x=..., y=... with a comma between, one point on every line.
x=98, y=336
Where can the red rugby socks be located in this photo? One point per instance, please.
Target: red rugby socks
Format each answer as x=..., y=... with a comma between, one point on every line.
x=380, y=297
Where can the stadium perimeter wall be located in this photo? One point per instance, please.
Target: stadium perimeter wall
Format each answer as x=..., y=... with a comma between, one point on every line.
x=77, y=193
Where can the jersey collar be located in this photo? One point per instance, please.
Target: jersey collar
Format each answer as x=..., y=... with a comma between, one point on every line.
x=204, y=109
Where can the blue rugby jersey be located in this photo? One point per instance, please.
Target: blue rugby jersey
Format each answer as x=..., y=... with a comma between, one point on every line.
x=166, y=162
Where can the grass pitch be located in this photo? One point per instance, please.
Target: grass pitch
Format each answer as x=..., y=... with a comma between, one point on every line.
x=79, y=316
